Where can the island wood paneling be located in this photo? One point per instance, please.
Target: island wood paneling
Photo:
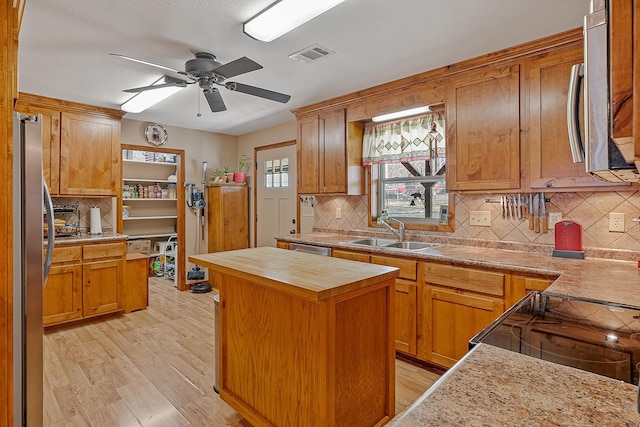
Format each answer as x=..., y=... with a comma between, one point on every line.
x=305, y=340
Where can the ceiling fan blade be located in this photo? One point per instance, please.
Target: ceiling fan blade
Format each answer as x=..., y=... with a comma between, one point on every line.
x=237, y=67
x=215, y=100
x=147, y=63
x=256, y=91
x=168, y=82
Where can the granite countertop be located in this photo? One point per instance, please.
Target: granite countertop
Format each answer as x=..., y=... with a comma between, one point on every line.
x=306, y=275
x=492, y=387
x=595, y=279
x=88, y=238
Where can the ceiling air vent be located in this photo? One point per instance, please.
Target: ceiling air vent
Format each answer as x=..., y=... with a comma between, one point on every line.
x=311, y=53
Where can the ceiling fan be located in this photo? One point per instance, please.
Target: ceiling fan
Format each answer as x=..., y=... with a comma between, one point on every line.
x=207, y=72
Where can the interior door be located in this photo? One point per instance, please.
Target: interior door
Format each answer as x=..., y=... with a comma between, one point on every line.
x=275, y=193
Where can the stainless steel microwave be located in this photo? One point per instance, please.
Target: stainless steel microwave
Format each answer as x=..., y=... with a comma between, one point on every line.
x=602, y=157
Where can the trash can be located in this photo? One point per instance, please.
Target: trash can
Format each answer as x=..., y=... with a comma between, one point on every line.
x=216, y=329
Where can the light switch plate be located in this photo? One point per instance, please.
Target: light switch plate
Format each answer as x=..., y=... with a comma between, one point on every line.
x=480, y=218
x=307, y=211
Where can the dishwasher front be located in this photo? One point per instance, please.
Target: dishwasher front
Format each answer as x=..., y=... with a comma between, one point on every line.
x=310, y=249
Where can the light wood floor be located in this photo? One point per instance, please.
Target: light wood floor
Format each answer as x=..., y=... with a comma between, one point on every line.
x=153, y=367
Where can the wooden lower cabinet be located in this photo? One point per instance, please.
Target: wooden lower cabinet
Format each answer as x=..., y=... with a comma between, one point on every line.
x=406, y=323
x=102, y=283
x=452, y=318
x=62, y=295
x=406, y=302
x=280, y=244
x=84, y=281
x=521, y=286
x=456, y=304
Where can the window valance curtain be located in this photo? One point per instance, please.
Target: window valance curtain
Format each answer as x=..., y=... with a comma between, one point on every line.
x=403, y=140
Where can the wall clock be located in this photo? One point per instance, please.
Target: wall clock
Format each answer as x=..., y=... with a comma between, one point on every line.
x=156, y=134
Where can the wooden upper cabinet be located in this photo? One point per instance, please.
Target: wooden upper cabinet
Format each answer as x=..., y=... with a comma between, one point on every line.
x=332, y=150
x=550, y=162
x=50, y=128
x=329, y=154
x=80, y=146
x=89, y=155
x=483, y=130
x=308, y=157
x=621, y=71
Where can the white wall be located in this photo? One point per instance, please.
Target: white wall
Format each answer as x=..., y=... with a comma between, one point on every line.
x=246, y=144
x=198, y=146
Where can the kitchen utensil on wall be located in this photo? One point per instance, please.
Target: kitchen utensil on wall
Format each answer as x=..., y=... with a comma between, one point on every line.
x=530, y=212
x=536, y=213
x=543, y=213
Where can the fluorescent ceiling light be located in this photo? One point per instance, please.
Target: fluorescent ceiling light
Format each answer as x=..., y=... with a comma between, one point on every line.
x=399, y=114
x=145, y=99
x=285, y=15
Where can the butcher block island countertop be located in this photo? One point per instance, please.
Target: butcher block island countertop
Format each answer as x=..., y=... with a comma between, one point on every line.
x=304, y=339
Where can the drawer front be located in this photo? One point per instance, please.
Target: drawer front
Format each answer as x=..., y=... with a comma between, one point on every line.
x=104, y=250
x=408, y=268
x=469, y=279
x=66, y=254
x=353, y=256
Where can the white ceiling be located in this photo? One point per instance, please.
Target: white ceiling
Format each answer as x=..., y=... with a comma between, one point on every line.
x=65, y=45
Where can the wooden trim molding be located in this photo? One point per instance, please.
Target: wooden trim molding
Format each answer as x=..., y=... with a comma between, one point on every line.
x=28, y=99
x=524, y=50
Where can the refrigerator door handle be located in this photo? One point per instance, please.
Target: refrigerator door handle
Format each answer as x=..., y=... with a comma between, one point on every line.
x=51, y=231
x=573, y=106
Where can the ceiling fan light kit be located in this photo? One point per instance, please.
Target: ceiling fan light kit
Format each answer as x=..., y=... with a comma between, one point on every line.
x=283, y=16
x=143, y=99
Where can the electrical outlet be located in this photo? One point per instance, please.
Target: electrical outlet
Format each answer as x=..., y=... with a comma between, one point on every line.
x=338, y=213
x=616, y=222
x=554, y=218
x=480, y=218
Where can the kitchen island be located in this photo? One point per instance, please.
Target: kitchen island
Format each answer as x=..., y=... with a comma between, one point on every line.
x=305, y=340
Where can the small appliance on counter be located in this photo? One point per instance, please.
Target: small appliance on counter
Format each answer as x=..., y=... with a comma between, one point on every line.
x=568, y=235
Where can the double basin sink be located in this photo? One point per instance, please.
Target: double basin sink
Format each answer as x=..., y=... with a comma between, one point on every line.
x=393, y=244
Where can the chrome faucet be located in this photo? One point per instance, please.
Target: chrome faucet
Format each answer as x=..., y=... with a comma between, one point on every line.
x=382, y=220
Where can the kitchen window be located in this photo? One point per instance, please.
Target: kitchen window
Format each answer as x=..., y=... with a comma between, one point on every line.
x=406, y=162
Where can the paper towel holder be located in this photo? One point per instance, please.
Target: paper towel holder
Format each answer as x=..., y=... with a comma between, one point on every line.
x=96, y=221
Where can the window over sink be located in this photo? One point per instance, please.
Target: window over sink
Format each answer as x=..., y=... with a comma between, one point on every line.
x=406, y=162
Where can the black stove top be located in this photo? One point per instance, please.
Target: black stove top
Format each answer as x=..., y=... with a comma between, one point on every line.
x=596, y=337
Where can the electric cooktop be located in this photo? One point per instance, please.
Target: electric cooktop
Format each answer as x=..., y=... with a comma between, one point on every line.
x=596, y=337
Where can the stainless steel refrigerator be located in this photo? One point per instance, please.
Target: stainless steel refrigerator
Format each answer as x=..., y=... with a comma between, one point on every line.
x=29, y=273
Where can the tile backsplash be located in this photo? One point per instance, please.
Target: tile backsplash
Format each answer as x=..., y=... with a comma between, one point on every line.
x=85, y=205
x=590, y=209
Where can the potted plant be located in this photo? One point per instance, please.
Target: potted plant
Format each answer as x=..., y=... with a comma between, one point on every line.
x=241, y=176
x=215, y=176
x=225, y=171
